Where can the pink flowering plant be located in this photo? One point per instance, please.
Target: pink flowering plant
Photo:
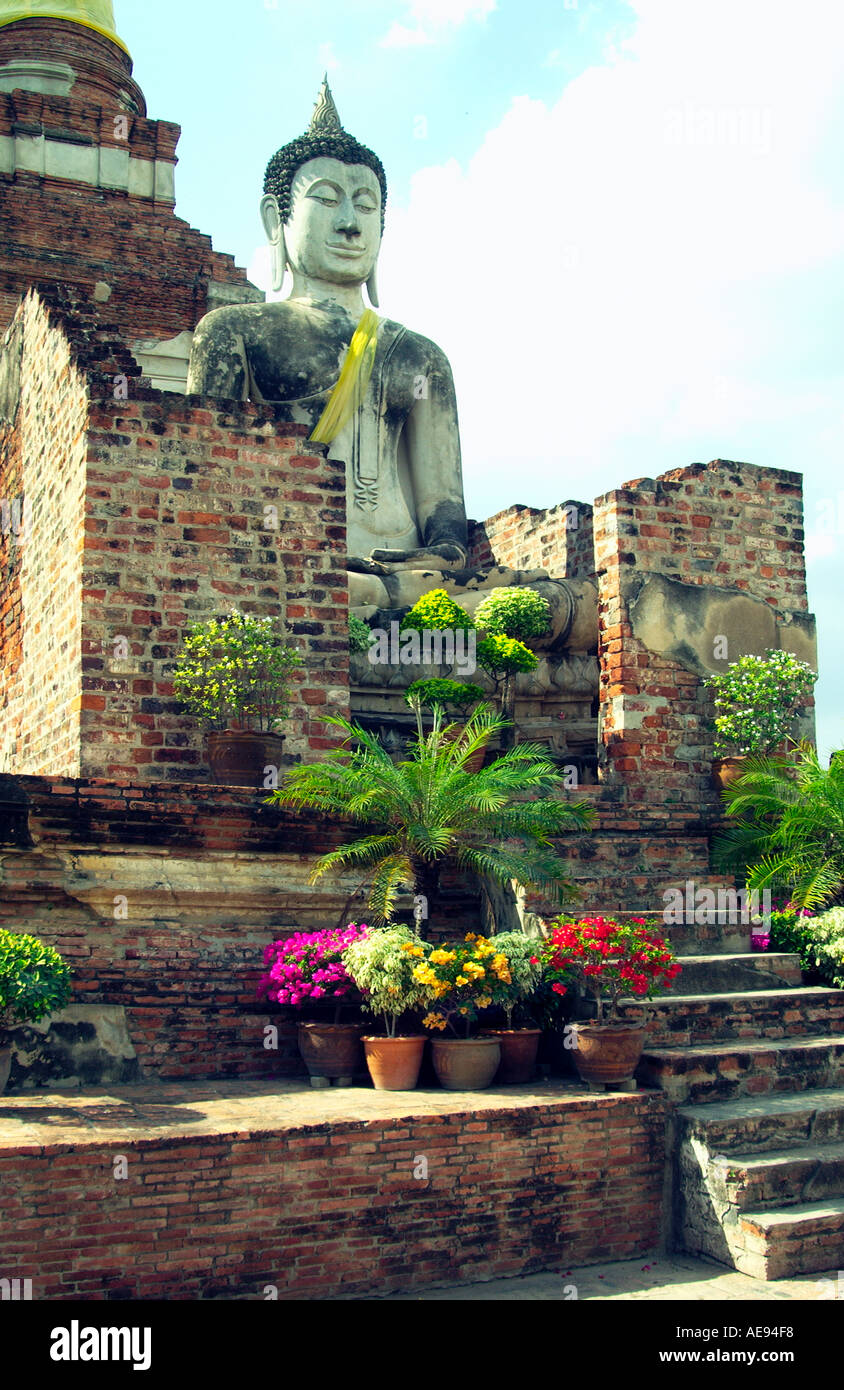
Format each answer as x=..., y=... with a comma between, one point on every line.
x=307, y=968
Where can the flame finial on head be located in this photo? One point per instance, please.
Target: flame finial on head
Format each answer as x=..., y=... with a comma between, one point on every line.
x=325, y=120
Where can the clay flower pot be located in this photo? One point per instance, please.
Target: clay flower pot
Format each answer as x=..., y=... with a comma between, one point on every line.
x=465, y=1064
x=519, y=1047
x=608, y=1052
x=394, y=1063
x=331, y=1051
x=726, y=770
x=238, y=757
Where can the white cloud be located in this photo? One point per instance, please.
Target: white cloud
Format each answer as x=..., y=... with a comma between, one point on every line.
x=432, y=20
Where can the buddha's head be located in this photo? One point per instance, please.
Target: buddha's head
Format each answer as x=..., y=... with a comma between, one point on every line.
x=323, y=204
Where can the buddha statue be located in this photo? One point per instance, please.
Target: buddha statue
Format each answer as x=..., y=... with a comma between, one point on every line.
x=381, y=396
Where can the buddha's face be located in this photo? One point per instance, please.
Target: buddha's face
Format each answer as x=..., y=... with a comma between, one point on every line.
x=334, y=230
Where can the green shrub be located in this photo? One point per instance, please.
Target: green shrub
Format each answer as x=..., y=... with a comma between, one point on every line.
x=444, y=692
x=502, y=657
x=514, y=612
x=235, y=671
x=34, y=980
x=825, y=946
x=436, y=611
x=360, y=635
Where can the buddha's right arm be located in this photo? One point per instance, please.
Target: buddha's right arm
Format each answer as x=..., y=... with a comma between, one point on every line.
x=218, y=365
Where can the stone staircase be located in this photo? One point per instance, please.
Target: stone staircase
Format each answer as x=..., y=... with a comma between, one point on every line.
x=754, y=1061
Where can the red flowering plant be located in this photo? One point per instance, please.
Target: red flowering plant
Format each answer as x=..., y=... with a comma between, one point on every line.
x=609, y=959
x=307, y=968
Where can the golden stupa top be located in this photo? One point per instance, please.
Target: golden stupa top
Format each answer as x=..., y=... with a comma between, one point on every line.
x=93, y=14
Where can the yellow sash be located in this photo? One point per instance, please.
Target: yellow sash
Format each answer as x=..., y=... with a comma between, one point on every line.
x=353, y=380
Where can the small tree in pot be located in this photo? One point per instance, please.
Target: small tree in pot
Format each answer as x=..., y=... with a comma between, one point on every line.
x=34, y=983
x=233, y=673
x=382, y=967
x=509, y=618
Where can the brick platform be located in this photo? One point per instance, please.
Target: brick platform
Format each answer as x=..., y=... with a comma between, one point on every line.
x=232, y=1188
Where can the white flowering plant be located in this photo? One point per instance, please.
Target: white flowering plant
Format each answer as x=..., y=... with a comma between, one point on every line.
x=824, y=945
x=524, y=970
x=382, y=966
x=756, y=700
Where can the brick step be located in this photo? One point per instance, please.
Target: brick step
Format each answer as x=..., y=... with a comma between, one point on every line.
x=776, y=1123
x=737, y=972
x=696, y=1020
x=783, y=1241
x=703, y=1075
x=780, y=1177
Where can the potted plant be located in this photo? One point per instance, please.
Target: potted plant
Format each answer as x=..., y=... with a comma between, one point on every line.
x=511, y=990
x=461, y=979
x=610, y=959
x=306, y=969
x=233, y=674
x=424, y=810
x=784, y=828
x=382, y=967
x=756, y=700
x=34, y=982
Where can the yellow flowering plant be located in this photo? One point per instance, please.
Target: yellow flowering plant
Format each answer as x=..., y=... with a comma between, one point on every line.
x=462, y=979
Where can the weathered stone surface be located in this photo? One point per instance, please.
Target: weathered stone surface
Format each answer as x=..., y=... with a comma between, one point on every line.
x=82, y=1045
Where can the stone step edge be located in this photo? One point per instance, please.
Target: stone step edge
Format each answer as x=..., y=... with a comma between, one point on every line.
x=809, y=993
x=815, y=1214
x=758, y=958
x=738, y=1047
x=808, y=1154
x=785, y=1103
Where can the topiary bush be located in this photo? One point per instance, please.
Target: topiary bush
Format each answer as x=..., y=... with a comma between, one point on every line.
x=34, y=980
x=514, y=612
x=436, y=612
x=439, y=691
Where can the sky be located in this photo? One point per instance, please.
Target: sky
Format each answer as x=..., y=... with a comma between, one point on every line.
x=623, y=221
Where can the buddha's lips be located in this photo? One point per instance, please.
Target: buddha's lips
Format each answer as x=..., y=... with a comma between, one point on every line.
x=347, y=250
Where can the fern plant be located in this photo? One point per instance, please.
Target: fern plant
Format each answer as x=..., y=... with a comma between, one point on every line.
x=427, y=809
x=788, y=827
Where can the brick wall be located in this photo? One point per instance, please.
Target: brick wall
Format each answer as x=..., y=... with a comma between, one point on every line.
x=557, y=539
x=60, y=228
x=333, y=1209
x=161, y=519
x=42, y=470
x=728, y=525
x=163, y=896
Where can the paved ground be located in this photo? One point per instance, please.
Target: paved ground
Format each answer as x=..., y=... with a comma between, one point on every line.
x=663, y=1277
x=188, y=1108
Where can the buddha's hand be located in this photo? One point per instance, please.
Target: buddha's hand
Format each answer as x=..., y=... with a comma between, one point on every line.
x=448, y=555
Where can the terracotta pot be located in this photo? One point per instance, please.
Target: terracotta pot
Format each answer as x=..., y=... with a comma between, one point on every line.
x=726, y=770
x=331, y=1051
x=607, y=1052
x=519, y=1047
x=238, y=757
x=465, y=1064
x=5, y=1065
x=394, y=1063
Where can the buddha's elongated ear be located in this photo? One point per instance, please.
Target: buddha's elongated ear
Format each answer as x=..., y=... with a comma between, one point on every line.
x=372, y=288
x=274, y=228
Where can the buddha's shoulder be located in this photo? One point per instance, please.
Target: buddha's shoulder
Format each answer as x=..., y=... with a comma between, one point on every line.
x=422, y=349
x=245, y=320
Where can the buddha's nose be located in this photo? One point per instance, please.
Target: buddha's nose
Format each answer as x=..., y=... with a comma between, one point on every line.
x=347, y=220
